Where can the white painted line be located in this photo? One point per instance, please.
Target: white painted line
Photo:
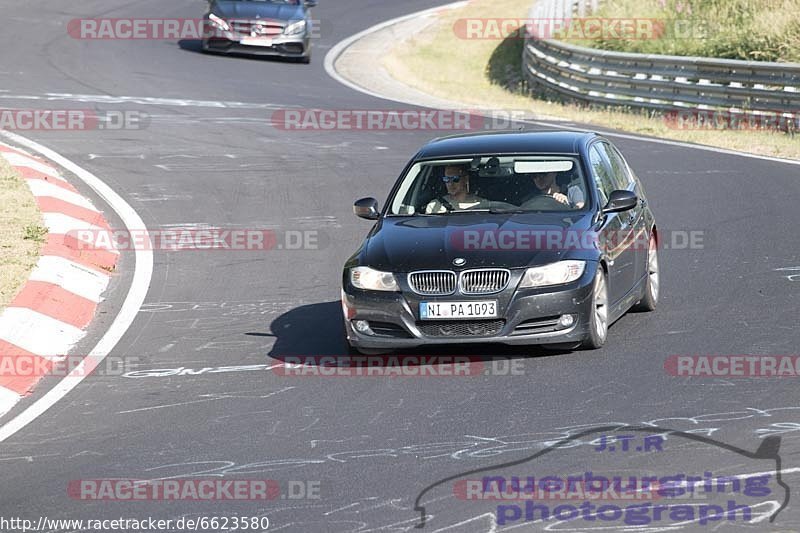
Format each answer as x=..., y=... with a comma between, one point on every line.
x=143, y=271
x=19, y=160
x=141, y=100
x=71, y=277
x=62, y=224
x=334, y=53
x=8, y=399
x=38, y=333
x=43, y=188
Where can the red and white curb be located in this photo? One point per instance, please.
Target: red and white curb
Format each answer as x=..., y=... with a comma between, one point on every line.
x=52, y=311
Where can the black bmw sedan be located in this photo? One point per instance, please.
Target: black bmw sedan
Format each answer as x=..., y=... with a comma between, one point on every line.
x=260, y=27
x=515, y=238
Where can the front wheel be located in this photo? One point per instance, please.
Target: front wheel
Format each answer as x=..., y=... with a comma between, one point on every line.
x=598, y=319
x=651, y=288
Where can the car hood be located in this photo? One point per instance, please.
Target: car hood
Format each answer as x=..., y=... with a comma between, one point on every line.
x=252, y=10
x=419, y=243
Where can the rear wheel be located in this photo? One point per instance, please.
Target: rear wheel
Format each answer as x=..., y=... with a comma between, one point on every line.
x=598, y=320
x=652, y=283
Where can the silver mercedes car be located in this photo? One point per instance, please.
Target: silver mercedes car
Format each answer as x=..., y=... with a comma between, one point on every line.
x=260, y=27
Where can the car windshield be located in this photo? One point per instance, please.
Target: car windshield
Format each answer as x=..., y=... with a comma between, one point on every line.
x=495, y=184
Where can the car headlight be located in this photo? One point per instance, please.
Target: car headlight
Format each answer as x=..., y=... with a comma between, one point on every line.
x=553, y=274
x=295, y=27
x=372, y=280
x=219, y=22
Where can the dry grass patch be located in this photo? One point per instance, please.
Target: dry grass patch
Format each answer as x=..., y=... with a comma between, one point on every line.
x=21, y=233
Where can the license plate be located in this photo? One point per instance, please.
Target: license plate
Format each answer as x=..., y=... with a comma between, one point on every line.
x=474, y=309
x=257, y=41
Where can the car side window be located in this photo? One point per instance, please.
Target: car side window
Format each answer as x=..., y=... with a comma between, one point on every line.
x=601, y=173
x=632, y=178
x=619, y=170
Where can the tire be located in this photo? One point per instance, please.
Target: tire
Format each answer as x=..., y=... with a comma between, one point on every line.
x=652, y=285
x=598, y=318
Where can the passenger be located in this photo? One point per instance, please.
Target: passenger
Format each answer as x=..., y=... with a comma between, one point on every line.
x=546, y=186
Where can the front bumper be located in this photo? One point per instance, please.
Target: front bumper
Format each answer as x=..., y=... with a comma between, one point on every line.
x=525, y=316
x=282, y=46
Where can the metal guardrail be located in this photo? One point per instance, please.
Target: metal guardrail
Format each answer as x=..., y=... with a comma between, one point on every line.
x=655, y=81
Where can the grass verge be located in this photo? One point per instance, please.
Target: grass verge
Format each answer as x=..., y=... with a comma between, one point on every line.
x=489, y=73
x=754, y=30
x=21, y=233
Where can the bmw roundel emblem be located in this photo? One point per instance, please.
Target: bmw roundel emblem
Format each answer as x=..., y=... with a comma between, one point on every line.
x=459, y=261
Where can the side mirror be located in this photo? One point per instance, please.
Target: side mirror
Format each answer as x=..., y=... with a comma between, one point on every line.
x=366, y=208
x=620, y=201
x=310, y=3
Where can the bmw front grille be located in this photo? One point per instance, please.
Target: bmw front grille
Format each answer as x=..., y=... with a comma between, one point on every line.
x=484, y=281
x=433, y=282
x=444, y=282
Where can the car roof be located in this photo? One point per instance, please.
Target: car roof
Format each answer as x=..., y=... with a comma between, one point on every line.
x=496, y=143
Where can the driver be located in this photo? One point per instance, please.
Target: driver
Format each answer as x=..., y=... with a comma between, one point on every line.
x=546, y=186
x=458, y=197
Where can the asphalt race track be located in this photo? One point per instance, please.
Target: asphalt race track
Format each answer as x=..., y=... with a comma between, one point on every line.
x=370, y=444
